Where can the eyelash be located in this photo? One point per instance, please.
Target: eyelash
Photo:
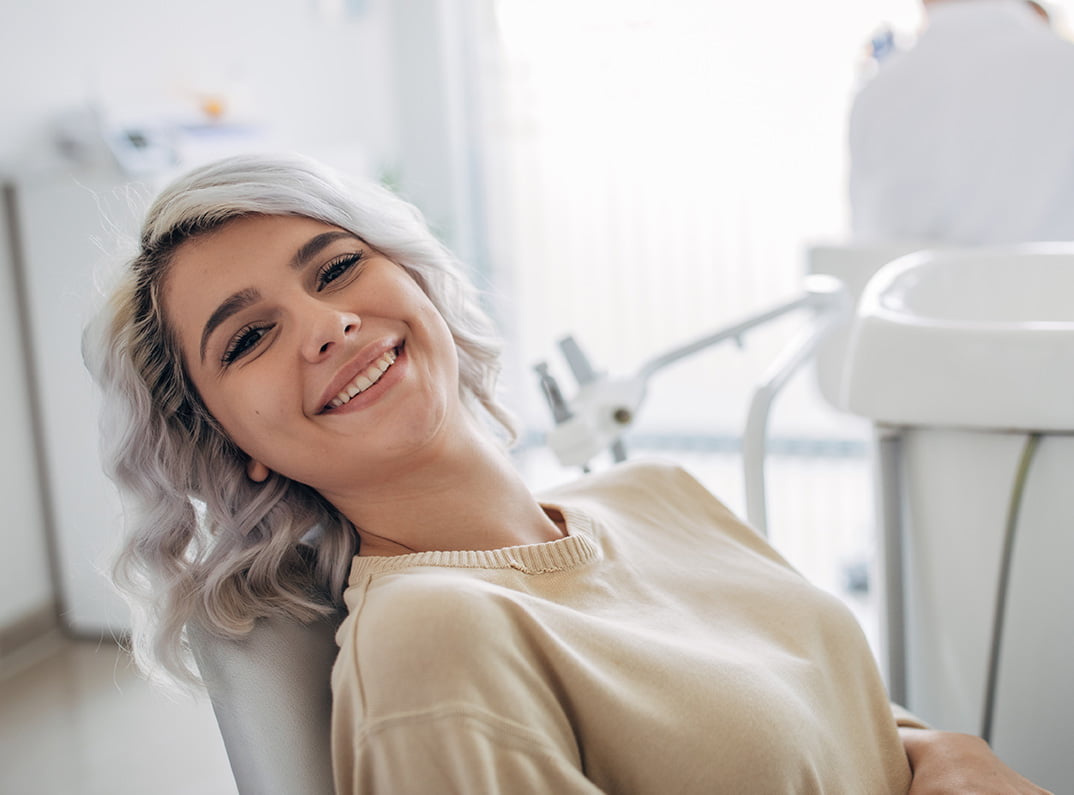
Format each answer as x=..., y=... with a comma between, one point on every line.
x=248, y=337
x=244, y=341
x=338, y=268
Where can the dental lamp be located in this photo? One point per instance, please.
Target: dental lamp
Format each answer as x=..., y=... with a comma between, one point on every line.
x=605, y=407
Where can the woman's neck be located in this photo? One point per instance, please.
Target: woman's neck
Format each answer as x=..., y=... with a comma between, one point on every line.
x=465, y=497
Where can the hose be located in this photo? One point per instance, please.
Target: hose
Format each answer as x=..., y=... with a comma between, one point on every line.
x=1000, y=612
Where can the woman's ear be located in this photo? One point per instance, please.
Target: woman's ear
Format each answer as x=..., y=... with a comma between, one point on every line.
x=256, y=471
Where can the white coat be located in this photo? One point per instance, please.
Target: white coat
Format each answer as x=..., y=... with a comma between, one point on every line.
x=968, y=137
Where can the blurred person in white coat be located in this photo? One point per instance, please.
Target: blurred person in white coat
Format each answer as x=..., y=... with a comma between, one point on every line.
x=967, y=138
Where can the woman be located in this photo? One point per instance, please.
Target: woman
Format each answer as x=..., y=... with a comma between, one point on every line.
x=289, y=354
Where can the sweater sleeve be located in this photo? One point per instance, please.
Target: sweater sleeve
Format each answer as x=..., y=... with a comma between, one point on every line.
x=451, y=749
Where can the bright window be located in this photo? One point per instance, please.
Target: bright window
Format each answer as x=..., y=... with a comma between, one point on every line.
x=669, y=161
x=664, y=166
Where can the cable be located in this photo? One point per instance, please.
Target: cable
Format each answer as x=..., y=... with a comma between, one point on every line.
x=1013, y=509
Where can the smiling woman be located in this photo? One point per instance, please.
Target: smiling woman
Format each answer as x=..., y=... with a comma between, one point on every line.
x=292, y=354
x=165, y=447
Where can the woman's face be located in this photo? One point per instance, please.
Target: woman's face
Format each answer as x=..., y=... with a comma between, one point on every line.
x=321, y=358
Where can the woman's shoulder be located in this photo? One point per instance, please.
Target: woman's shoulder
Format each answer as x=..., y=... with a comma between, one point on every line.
x=640, y=471
x=432, y=636
x=638, y=480
x=448, y=600
x=658, y=501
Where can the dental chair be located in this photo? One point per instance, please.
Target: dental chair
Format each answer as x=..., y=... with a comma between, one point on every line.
x=272, y=698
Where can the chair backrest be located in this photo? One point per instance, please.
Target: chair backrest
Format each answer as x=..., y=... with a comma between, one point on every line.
x=271, y=693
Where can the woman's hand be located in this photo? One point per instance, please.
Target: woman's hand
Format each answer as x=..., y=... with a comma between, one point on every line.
x=946, y=762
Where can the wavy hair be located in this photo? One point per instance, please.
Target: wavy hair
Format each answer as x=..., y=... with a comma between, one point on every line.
x=202, y=541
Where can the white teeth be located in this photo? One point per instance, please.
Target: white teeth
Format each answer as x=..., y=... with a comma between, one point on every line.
x=364, y=380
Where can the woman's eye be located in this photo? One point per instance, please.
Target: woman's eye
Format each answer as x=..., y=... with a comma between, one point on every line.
x=337, y=268
x=243, y=342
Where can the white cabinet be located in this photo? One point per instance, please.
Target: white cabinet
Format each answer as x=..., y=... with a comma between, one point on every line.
x=64, y=222
x=26, y=591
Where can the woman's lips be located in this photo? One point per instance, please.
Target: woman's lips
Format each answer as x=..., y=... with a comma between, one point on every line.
x=363, y=389
x=363, y=380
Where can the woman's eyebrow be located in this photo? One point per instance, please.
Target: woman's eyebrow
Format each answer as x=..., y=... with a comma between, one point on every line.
x=229, y=307
x=312, y=247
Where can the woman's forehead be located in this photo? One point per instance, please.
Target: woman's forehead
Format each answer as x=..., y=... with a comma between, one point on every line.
x=250, y=243
x=229, y=263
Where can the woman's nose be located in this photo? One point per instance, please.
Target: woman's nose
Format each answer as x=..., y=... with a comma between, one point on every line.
x=328, y=328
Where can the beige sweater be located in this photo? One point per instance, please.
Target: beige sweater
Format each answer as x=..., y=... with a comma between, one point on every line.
x=661, y=647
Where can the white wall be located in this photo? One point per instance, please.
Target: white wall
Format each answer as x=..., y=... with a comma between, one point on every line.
x=318, y=77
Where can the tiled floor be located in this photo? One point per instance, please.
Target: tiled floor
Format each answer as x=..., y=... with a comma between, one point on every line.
x=80, y=721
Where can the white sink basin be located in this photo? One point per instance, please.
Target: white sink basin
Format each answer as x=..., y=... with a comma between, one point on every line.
x=967, y=338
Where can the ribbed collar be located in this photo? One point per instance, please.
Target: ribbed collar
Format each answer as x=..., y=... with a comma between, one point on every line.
x=575, y=549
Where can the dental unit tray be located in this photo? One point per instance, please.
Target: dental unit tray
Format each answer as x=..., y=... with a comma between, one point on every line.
x=605, y=407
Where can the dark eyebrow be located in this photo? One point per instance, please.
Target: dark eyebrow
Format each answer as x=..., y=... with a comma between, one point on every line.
x=312, y=247
x=233, y=304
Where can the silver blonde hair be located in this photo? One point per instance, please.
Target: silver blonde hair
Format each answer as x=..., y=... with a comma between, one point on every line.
x=203, y=542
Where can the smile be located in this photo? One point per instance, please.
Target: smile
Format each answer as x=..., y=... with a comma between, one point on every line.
x=363, y=380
